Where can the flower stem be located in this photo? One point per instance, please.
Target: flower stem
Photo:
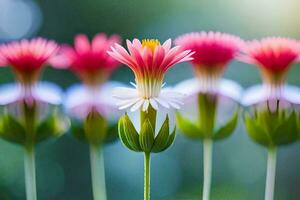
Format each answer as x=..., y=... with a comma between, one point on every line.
x=147, y=176
x=29, y=167
x=98, y=172
x=207, y=167
x=271, y=172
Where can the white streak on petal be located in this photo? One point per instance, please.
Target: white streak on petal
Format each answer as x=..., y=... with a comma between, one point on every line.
x=154, y=104
x=254, y=95
x=162, y=102
x=146, y=105
x=124, y=93
x=137, y=105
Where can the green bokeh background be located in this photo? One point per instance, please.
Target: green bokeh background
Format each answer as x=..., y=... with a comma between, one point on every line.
x=239, y=165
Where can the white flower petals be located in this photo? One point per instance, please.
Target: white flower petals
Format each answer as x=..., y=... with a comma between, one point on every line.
x=130, y=98
x=259, y=94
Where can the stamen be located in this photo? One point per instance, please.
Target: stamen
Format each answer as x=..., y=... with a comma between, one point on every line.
x=150, y=43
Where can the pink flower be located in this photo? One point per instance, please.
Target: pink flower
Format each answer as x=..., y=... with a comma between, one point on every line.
x=149, y=60
x=273, y=56
x=27, y=57
x=213, y=50
x=89, y=60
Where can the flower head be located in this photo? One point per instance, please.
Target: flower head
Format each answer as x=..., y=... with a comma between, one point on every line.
x=27, y=57
x=149, y=60
x=213, y=50
x=89, y=60
x=273, y=56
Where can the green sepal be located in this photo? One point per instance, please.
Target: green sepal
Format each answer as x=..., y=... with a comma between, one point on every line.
x=170, y=139
x=128, y=134
x=52, y=126
x=287, y=131
x=228, y=128
x=255, y=131
x=188, y=128
x=146, y=137
x=95, y=128
x=11, y=130
x=161, y=140
x=273, y=128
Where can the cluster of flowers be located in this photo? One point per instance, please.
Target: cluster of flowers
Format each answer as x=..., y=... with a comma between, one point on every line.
x=31, y=111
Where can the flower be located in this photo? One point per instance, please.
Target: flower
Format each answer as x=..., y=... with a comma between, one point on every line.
x=89, y=60
x=27, y=57
x=213, y=51
x=273, y=56
x=149, y=60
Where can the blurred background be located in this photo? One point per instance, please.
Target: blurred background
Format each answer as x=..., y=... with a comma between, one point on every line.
x=63, y=171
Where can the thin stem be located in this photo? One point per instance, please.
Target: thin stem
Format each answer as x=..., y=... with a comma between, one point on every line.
x=271, y=173
x=98, y=172
x=147, y=176
x=207, y=167
x=29, y=167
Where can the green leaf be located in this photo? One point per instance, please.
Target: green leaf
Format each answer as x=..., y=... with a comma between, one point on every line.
x=287, y=131
x=11, y=130
x=227, y=129
x=188, y=128
x=255, y=132
x=162, y=137
x=128, y=134
x=146, y=136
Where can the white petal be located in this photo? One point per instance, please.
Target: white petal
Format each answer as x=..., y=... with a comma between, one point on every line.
x=48, y=92
x=162, y=102
x=9, y=93
x=188, y=87
x=154, y=104
x=292, y=94
x=128, y=103
x=137, y=105
x=146, y=105
x=231, y=89
x=124, y=93
x=254, y=95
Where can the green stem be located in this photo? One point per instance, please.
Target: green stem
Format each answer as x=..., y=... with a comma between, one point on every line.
x=271, y=173
x=147, y=176
x=207, y=167
x=29, y=167
x=97, y=172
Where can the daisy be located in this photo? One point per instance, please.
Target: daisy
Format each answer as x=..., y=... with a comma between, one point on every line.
x=149, y=60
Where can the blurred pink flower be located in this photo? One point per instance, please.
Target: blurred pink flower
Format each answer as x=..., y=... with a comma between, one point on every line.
x=89, y=60
x=27, y=57
x=213, y=50
x=149, y=60
x=272, y=55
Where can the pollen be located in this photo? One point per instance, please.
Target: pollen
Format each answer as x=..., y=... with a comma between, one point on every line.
x=150, y=43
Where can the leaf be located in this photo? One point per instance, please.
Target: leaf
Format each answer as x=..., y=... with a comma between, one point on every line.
x=228, y=128
x=128, y=134
x=162, y=137
x=188, y=128
x=11, y=130
x=146, y=136
x=255, y=132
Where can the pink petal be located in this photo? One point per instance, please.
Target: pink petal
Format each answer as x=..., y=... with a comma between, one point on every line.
x=82, y=44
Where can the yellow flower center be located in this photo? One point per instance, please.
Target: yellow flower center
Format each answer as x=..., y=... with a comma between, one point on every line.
x=150, y=43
